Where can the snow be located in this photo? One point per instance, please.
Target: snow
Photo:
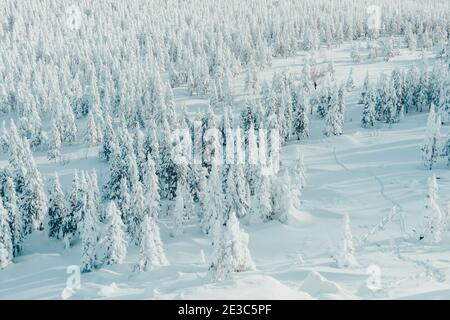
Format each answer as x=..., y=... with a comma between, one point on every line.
x=364, y=172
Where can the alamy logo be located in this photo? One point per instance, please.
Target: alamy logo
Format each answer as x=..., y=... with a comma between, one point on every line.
x=373, y=282
x=374, y=18
x=262, y=147
x=73, y=17
x=73, y=282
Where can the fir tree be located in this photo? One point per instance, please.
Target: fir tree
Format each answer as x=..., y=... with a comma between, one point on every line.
x=151, y=253
x=346, y=256
x=430, y=147
x=115, y=239
x=54, y=150
x=434, y=220
x=301, y=121
x=350, y=85
x=14, y=216
x=6, y=244
x=56, y=209
x=89, y=233
x=368, y=117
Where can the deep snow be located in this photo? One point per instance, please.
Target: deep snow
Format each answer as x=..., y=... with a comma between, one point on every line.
x=364, y=173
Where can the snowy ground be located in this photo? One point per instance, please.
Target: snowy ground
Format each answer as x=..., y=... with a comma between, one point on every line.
x=363, y=173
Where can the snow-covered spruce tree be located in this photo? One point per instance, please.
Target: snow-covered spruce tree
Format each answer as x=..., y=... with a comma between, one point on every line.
x=301, y=121
x=368, y=117
x=72, y=216
x=365, y=89
x=252, y=169
x=14, y=217
x=91, y=137
x=151, y=254
x=108, y=140
x=138, y=210
x=298, y=180
x=115, y=241
x=214, y=202
x=230, y=251
x=89, y=234
x=333, y=122
x=116, y=173
x=446, y=148
x=350, y=84
x=390, y=107
x=54, y=148
x=6, y=244
x=431, y=148
x=167, y=171
x=434, y=220
x=251, y=78
x=262, y=209
x=282, y=197
x=124, y=202
x=95, y=192
x=56, y=209
x=346, y=256
x=4, y=138
x=178, y=214
x=33, y=201
x=70, y=128
x=152, y=189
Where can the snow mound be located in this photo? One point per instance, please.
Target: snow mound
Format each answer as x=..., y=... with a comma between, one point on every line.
x=315, y=284
x=114, y=291
x=258, y=287
x=366, y=293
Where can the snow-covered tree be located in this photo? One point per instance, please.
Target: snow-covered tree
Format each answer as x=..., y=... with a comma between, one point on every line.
x=6, y=244
x=282, y=196
x=431, y=148
x=333, y=123
x=214, y=202
x=152, y=189
x=350, y=84
x=151, y=253
x=108, y=139
x=230, y=251
x=368, y=117
x=14, y=217
x=262, y=209
x=346, y=256
x=33, y=201
x=91, y=136
x=434, y=219
x=54, y=148
x=138, y=209
x=115, y=242
x=89, y=234
x=301, y=121
x=56, y=209
x=298, y=179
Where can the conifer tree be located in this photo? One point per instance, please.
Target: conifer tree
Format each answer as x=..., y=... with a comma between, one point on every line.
x=54, y=150
x=89, y=234
x=434, y=220
x=230, y=250
x=350, y=85
x=14, y=216
x=56, y=209
x=6, y=244
x=346, y=256
x=301, y=121
x=368, y=117
x=115, y=239
x=430, y=147
x=151, y=253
